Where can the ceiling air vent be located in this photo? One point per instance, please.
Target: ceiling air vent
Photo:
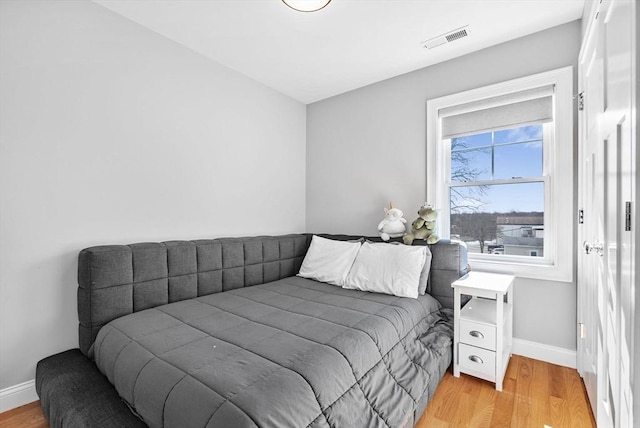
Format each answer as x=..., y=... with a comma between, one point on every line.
x=448, y=37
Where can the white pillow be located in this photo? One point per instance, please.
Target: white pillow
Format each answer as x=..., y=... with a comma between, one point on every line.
x=426, y=267
x=328, y=260
x=389, y=269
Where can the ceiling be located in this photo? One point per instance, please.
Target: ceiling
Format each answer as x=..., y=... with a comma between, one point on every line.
x=348, y=44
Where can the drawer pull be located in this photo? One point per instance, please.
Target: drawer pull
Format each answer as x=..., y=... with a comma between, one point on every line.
x=476, y=359
x=476, y=333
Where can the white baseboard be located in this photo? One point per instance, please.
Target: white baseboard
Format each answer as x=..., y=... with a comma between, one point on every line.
x=18, y=395
x=540, y=351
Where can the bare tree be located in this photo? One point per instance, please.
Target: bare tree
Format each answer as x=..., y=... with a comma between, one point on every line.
x=464, y=199
x=475, y=226
x=466, y=221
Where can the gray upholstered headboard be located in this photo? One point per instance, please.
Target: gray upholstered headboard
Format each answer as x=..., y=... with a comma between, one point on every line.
x=116, y=280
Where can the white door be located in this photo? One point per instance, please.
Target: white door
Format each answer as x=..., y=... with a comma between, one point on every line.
x=606, y=185
x=590, y=101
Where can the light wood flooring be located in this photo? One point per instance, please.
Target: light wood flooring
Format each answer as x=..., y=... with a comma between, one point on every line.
x=536, y=394
x=27, y=416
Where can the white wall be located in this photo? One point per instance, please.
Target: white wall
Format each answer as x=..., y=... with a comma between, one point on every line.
x=111, y=133
x=367, y=147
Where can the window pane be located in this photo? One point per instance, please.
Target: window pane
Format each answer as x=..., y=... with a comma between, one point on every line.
x=518, y=160
x=469, y=141
x=514, y=135
x=471, y=165
x=505, y=219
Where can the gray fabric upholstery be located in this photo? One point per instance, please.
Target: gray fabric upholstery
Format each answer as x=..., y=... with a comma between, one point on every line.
x=117, y=280
x=448, y=263
x=74, y=394
x=290, y=353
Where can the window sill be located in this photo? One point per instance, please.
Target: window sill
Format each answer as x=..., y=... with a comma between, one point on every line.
x=542, y=269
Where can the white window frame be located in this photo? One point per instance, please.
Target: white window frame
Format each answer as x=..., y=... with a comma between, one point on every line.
x=558, y=261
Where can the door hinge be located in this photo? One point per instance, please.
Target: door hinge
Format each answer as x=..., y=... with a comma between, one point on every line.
x=581, y=332
x=627, y=216
x=581, y=101
x=580, y=216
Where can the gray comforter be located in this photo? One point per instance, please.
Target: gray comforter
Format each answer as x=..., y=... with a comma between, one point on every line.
x=293, y=352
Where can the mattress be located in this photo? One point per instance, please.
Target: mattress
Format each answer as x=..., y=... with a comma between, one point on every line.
x=293, y=352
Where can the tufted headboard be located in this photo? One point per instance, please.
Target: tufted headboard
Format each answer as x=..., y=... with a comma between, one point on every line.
x=116, y=280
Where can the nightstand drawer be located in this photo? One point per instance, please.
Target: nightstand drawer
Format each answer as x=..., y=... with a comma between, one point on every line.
x=477, y=359
x=476, y=334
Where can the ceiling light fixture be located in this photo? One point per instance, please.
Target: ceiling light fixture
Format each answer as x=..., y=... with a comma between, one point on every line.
x=306, y=5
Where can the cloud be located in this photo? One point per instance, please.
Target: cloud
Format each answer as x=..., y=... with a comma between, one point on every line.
x=524, y=133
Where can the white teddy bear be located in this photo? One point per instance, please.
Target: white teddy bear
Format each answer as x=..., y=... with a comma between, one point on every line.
x=393, y=225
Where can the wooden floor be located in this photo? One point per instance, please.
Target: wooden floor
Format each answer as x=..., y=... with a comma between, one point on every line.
x=536, y=394
x=27, y=416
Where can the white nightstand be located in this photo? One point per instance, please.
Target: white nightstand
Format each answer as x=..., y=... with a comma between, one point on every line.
x=484, y=327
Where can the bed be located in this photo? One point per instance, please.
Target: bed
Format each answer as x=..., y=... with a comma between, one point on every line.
x=222, y=333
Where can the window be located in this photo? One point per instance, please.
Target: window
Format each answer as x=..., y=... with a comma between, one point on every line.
x=496, y=190
x=500, y=169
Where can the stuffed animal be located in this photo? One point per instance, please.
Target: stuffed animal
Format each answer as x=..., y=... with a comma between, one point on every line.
x=393, y=224
x=424, y=226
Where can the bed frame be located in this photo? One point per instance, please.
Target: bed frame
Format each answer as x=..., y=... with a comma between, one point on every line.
x=117, y=280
